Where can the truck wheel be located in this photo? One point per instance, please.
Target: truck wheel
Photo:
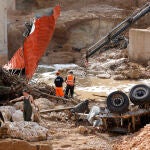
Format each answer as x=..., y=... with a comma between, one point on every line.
x=140, y=94
x=117, y=102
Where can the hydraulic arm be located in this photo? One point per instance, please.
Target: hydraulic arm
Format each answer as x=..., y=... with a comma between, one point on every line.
x=115, y=32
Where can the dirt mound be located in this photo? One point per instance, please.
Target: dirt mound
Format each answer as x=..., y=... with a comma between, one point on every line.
x=138, y=141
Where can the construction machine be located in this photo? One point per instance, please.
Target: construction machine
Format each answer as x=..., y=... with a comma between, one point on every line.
x=115, y=38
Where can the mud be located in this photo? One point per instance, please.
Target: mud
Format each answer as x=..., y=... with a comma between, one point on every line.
x=70, y=137
x=139, y=140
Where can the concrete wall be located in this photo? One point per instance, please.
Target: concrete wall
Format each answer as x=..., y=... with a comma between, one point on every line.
x=139, y=45
x=3, y=32
x=11, y=4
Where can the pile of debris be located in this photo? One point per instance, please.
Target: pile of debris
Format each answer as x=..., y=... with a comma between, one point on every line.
x=17, y=84
x=115, y=64
x=139, y=140
x=11, y=117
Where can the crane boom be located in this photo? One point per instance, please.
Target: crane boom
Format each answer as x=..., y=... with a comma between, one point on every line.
x=115, y=32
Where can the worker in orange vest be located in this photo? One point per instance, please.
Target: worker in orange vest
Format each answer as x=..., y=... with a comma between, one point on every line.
x=70, y=81
x=59, y=85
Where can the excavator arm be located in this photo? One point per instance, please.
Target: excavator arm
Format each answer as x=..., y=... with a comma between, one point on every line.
x=115, y=33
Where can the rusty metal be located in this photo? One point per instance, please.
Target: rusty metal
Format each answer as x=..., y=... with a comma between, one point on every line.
x=116, y=122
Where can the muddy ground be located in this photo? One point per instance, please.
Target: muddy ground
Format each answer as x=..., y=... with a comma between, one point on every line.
x=72, y=138
x=66, y=133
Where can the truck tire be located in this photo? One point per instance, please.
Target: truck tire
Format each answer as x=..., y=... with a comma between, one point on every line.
x=140, y=94
x=117, y=102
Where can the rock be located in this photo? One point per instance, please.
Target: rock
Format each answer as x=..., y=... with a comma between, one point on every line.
x=82, y=130
x=120, y=68
x=22, y=145
x=133, y=74
x=104, y=76
x=112, y=62
x=17, y=116
x=18, y=105
x=137, y=141
x=119, y=77
x=73, y=118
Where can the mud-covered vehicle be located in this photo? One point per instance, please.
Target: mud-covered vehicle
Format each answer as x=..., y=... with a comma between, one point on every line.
x=124, y=113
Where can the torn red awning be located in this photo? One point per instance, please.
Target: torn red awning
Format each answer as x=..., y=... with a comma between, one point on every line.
x=17, y=61
x=36, y=43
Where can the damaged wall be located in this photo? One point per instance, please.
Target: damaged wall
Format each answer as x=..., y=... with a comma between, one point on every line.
x=6, y=6
x=3, y=32
x=11, y=4
x=139, y=47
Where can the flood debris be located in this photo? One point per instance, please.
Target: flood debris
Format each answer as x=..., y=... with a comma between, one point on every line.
x=36, y=89
x=95, y=110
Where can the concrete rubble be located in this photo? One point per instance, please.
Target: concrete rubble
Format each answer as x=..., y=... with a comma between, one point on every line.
x=118, y=66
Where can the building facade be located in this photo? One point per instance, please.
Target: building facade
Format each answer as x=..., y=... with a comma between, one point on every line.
x=5, y=5
x=3, y=32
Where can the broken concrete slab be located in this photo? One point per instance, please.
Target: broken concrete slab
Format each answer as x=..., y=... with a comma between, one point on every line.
x=139, y=45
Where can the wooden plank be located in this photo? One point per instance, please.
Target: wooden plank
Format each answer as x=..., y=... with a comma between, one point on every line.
x=133, y=122
x=105, y=123
x=56, y=110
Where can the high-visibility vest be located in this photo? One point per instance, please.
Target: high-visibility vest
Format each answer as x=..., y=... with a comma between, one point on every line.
x=70, y=80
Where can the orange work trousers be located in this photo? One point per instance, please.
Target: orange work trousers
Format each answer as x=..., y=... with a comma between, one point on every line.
x=59, y=91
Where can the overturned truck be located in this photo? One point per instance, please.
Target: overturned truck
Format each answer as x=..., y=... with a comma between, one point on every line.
x=124, y=114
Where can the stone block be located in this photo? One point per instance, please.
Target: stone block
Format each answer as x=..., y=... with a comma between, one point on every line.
x=139, y=45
